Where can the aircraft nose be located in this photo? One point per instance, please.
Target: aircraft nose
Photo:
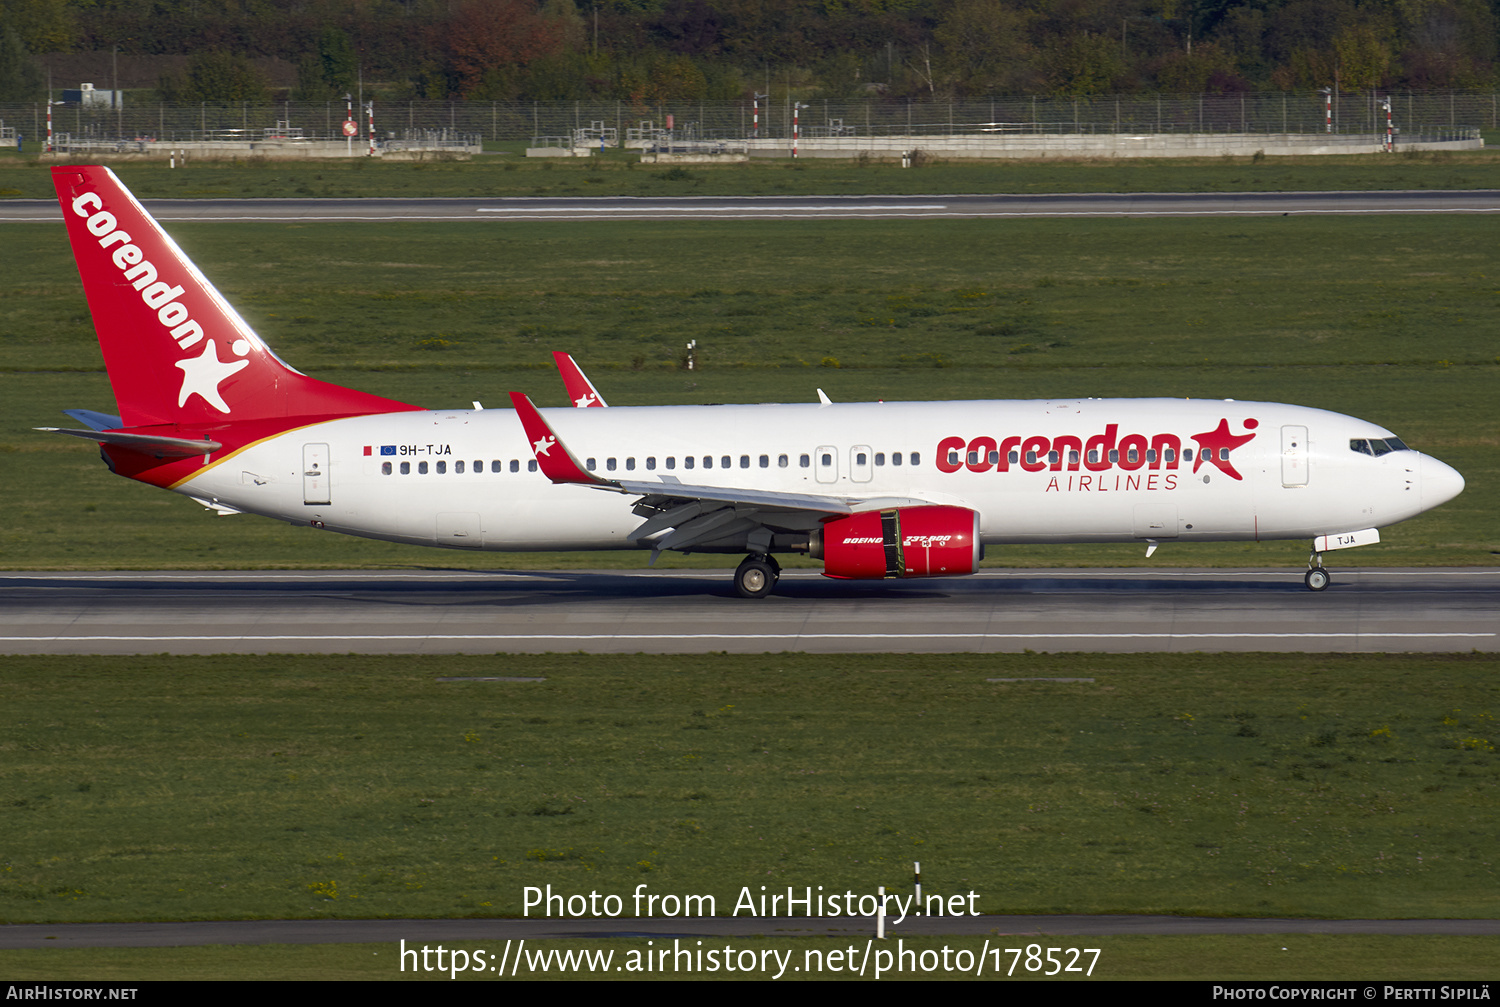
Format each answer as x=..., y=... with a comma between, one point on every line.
x=1440, y=482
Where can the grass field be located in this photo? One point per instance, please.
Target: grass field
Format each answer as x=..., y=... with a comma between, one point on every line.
x=505, y=172
x=1283, y=956
x=1388, y=318
x=199, y=788
x=313, y=787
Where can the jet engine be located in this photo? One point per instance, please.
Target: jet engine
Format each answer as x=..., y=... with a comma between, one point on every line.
x=931, y=541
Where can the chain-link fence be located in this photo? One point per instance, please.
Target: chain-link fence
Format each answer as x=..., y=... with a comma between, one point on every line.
x=1267, y=112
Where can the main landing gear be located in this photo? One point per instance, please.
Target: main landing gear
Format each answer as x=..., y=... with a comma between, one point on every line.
x=757, y=575
x=1317, y=578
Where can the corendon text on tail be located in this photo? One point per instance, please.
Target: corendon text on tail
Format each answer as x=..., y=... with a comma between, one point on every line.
x=873, y=490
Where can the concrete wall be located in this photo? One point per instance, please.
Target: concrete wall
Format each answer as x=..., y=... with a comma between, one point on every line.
x=224, y=150
x=1097, y=145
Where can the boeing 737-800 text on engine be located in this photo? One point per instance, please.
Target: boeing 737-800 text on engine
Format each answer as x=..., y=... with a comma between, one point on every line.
x=874, y=490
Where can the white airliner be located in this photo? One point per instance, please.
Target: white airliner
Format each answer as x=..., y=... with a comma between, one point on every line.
x=874, y=490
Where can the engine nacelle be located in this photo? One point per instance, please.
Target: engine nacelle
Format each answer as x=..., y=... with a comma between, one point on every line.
x=906, y=542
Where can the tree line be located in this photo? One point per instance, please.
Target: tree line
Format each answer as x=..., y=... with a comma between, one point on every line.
x=654, y=51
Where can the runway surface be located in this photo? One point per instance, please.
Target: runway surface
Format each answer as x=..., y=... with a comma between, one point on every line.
x=800, y=207
x=687, y=612
x=159, y=935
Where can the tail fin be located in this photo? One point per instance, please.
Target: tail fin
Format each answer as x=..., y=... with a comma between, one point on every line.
x=176, y=352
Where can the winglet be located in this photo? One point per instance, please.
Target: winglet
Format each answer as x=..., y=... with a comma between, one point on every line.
x=552, y=455
x=580, y=389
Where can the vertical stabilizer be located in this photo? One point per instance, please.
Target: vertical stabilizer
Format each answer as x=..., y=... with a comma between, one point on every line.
x=176, y=352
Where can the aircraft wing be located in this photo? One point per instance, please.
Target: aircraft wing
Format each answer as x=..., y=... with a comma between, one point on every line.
x=695, y=513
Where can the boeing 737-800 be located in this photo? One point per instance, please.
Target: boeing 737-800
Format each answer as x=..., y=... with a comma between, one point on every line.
x=874, y=490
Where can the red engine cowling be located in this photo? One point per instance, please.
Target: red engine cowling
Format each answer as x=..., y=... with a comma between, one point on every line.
x=906, y=542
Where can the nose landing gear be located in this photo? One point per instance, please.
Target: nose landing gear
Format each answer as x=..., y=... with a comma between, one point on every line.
x=1317, y=578
x=757, y=575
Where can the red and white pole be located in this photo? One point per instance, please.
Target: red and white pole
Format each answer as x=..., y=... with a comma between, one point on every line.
x=756, y=96
x=370, y=114
x=797, y=108
x=1328, y=110
x=1390, y=136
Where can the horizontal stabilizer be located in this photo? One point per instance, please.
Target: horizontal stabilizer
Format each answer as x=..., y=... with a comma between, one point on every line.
x=151, y=444
x=95, y=421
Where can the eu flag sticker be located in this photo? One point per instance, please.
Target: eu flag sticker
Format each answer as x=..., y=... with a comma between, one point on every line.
x=387, y=449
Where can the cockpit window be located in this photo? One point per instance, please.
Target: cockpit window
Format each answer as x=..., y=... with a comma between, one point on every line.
x=1377, y=446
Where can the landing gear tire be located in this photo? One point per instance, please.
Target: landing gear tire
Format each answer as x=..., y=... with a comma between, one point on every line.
x=756, y=577
x=1317, y=579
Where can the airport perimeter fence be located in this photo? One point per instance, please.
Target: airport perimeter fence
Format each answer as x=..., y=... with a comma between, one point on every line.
x=1414, y=113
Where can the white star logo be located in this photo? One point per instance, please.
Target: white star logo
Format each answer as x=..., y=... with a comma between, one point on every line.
x=203, y=375
x=544, y=445
x=588, y=399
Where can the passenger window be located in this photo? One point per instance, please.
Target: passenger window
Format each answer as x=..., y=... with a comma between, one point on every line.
x=1114, y=454
x=1151, y=455
x=1031, y=458
x=782, y=461
x=1170, y=455
x=1223, y=454
x=630, y=465
x=805, y=461
x=973, y=458
x=609, y=463
x=406, y=468
x=916, y=458
x=1013, y=457
x=724, y=462
x=650, y=462
x=745, y=461
x=515, y=465
x=687, y=462
x=1130, y=456
x=442, y=468
x=1052, y=457
x=861, y=459
x=458, y=468
x=385, y=468
x=530, y=466
x=478, y=466
x=765, y=461
x=952, y=456
x=896, y=458
x=1072, y=457
x=879, y=458
x=671, y=461
x=421, y=468
x=1187, y=454
x=590, y=465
